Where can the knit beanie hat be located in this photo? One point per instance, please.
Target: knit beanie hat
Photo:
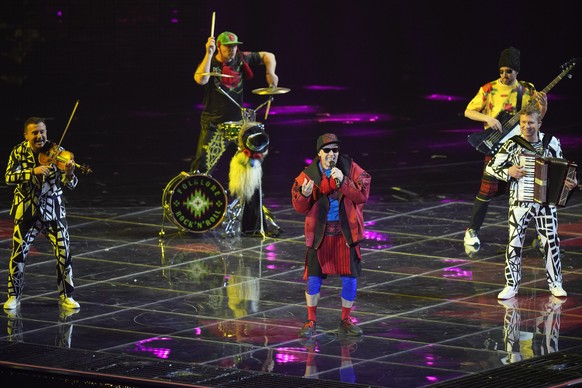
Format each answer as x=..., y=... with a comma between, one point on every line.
x=510, y=58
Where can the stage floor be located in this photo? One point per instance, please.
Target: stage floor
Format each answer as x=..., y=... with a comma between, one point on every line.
x=188, y=300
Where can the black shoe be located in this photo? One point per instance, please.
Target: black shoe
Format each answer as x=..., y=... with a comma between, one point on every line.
x=274, y=233
x=346, y=327
x=270, y=218
x=308, y=330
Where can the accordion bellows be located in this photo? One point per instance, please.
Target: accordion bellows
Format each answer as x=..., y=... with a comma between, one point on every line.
x=544, y=180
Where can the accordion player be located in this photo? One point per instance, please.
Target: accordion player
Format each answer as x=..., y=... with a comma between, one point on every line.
x=544, y=182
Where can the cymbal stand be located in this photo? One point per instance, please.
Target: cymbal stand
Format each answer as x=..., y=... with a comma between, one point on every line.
x=247, y=114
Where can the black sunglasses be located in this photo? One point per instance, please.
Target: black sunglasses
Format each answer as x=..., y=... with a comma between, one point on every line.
x=326, y=150
x=506, y=71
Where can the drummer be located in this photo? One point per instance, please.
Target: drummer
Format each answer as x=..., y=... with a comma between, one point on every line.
x=228, y=69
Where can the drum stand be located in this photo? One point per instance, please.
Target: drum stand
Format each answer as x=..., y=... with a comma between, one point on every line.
x=234, y=213
x=233, y=218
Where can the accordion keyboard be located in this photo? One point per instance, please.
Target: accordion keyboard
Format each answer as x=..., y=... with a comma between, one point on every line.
x=525, y=185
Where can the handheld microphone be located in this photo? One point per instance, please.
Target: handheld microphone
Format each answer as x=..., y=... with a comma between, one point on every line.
x=337, y=182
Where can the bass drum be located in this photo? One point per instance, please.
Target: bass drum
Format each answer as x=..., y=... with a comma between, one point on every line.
x=195, y=202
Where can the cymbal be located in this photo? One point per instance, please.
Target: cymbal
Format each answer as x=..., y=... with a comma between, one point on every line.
x=217, y=75
x=269, y=91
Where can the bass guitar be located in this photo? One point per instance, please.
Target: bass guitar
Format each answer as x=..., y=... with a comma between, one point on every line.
x=490, y=140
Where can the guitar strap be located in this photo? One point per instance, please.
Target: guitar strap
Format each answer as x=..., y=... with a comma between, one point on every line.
x=519, y=97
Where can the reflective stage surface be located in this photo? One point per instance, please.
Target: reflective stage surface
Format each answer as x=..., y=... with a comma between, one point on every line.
x=198, y=309
x=181, y=307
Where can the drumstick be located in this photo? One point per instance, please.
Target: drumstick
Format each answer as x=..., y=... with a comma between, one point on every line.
x=268, y=107
x=212, y=26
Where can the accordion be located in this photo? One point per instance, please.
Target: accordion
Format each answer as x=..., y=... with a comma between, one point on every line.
x=544, y=180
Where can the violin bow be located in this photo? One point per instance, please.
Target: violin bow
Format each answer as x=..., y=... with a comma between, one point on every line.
x=69, y=123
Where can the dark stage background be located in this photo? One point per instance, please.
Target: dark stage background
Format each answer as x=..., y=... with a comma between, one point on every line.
x=139, y=56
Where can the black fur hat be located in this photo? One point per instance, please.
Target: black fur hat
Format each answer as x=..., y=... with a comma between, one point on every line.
x=510, y=58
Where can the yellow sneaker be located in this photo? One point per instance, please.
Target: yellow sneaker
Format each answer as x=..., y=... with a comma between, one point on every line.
x=12, y=303
x=68, y=302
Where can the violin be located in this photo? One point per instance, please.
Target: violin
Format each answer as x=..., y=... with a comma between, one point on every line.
x=51, y=153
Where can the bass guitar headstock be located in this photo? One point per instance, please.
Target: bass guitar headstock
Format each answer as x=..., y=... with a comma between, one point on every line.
x=568, y=66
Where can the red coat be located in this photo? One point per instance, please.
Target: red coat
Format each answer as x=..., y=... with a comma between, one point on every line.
x=354, y=192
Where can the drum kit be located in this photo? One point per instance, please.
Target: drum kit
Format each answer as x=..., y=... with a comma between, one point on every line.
x=198, y=203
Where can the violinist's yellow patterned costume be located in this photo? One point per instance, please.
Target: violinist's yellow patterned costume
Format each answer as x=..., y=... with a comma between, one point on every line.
x=38, y=206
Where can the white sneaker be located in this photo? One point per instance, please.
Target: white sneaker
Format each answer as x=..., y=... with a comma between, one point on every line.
x=471, y=237
x=68, y=302
x=508, y=292
x=12, y=303
x=558, y=291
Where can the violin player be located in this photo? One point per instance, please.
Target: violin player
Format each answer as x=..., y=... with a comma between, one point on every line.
x=38, y=207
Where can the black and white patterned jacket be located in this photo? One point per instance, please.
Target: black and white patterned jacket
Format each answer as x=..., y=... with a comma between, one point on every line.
x=34, y=195
x=508, y=155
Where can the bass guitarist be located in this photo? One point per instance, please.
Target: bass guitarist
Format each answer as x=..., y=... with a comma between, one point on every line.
x=494, y=104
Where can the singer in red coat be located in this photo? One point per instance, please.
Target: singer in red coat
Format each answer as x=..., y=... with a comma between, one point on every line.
x=331, y=192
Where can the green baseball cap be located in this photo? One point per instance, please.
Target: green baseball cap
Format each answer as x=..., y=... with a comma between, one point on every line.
x=228, y=38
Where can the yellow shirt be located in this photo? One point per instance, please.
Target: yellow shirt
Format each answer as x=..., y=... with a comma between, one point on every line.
x=495, y=97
